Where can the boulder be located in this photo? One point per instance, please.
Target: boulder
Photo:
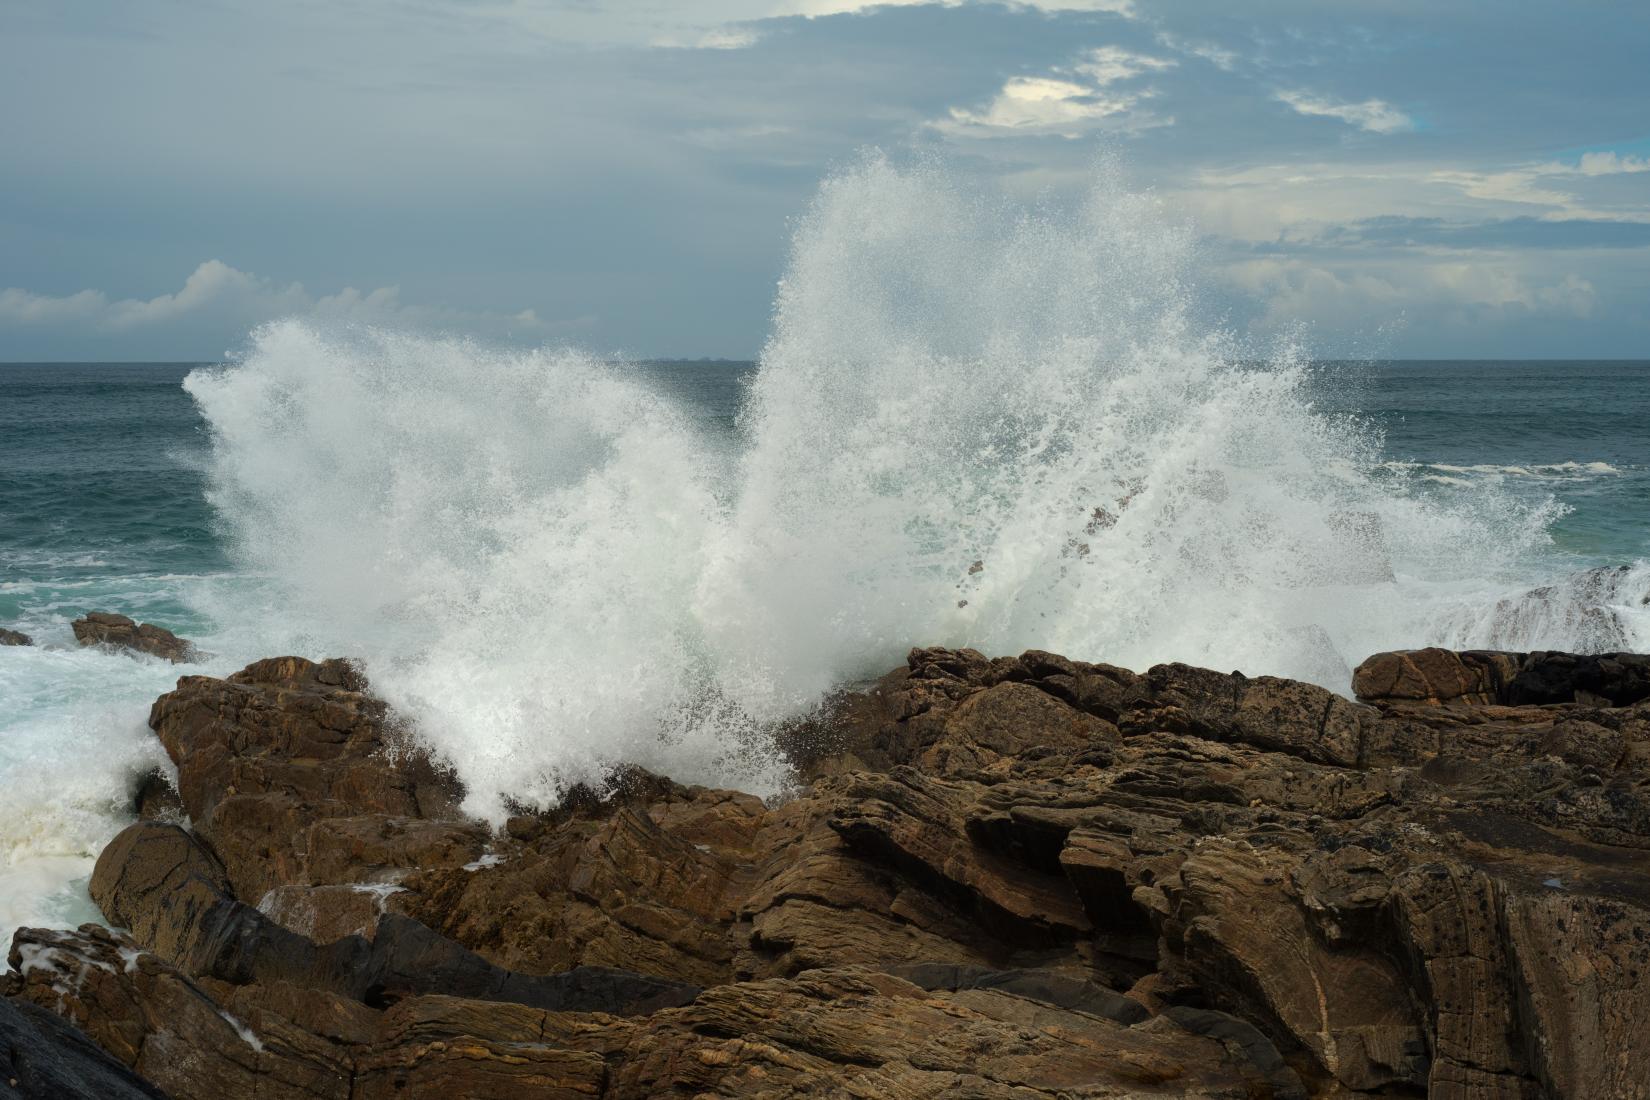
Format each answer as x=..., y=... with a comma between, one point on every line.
x=101, y=628
x=14, y=637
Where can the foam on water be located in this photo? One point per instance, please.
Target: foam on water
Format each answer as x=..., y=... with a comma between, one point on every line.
x=72, y=747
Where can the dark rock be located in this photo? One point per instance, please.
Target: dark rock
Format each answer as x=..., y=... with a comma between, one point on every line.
x=156, y=798
x=44, y=1057
x=1605, y=679
x=14, y=637
x=119, y=632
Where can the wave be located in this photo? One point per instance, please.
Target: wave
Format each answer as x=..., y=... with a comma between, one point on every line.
x=975, y=423
x=1445, y=473
x=1603, y=610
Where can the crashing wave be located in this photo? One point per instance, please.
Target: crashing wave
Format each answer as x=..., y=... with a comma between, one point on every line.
x=1602, y=610
x=975, y=424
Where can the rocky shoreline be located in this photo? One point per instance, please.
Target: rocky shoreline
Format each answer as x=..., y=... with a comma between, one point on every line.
x=1010, y=877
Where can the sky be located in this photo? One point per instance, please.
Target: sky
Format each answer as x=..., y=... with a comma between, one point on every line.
x=1390, y=178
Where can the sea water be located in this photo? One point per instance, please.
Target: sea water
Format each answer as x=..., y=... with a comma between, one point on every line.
x=972, y=424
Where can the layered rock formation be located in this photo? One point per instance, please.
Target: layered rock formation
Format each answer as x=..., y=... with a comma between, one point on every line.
x=1000, y=878
x=103, y=628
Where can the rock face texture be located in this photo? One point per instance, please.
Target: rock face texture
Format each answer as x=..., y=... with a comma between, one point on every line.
x=1010, y=877
x=14, y=637
x=119, y=632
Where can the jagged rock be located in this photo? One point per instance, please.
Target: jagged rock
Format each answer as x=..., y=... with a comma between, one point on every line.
x=14, y=637
x=1005, y=877
x=290, y=771
x=102, y=628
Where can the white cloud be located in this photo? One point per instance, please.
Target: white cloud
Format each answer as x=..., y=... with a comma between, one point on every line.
x=1044, y=105
x=1375, y=115
x=1517, y=185
x=1350, y=297
x=1218, y=56
x=1111, y=64
x=1539, y=185
x=1068, y=102
x=1610, y=164
x=216, y=294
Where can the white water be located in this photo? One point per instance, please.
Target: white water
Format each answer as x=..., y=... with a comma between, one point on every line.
x=549, y=569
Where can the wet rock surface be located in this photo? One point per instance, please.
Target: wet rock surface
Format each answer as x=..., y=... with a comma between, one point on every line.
x=14, y=637
x=1007, y=877
x=102, y=628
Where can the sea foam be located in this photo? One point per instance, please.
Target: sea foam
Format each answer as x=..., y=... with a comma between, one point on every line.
x=975, y=423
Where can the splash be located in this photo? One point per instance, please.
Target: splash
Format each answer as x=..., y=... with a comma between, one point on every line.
x=975, y=423
x=510, y=541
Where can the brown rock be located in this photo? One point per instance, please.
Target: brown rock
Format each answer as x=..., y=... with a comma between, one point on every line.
x=1006, y=877
x=112, y=631
x=14, y=637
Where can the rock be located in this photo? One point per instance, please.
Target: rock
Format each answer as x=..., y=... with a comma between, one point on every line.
x=1604, y=679
x=293, y=775
x=1003, y=876
x=1433, y=676
x=853, y=1032
x=14, y=637
x=157, y=799
x=162, y=884
x=170, y=892
x=1511, y=679
x=101, y=628
x=43, y=1057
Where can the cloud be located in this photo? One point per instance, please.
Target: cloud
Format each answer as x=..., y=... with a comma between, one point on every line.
x=1041, y=105
x=1375, y=115
x=1111, y=64
x=1347, y=297
x=716, y=38
x=817, y=8
x=218, y=301
x=1069, y=102
x=1514, y=185
x=1221, y=58
x=1539, y=185
x=1611, y=164
x=1396, y=231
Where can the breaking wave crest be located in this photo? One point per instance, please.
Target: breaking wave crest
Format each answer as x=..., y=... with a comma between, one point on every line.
x=974, y=423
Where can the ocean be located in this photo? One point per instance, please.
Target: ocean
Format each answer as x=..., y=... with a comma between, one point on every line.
x=959, y=434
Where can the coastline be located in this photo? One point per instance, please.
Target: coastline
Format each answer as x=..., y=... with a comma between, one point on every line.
x=1004, y=874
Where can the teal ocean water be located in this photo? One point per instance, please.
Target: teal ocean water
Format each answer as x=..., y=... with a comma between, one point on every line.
x=122, y=490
